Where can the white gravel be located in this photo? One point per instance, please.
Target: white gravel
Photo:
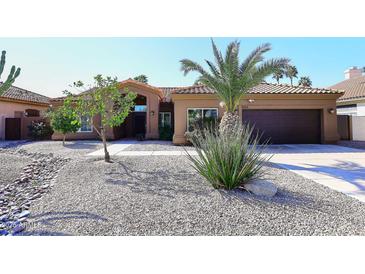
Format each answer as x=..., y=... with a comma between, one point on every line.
x=163, y=195
x=10, y=167
x=72, y=149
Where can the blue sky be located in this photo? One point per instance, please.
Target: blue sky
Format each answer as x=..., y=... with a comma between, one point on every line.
x=49, y=65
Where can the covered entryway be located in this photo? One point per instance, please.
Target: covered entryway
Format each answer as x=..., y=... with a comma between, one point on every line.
x=135, y=123
x=12, y=128
x=286, y=126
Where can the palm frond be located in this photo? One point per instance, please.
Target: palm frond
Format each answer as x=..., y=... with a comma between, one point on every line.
x=213, y=69
x=254, y=57
x=218, y=57
x=188, y=66
x=267, y=68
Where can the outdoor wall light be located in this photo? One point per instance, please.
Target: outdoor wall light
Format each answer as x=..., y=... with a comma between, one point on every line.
x=152, y=112
x=331, y=110
x=251, y=100
x=222, y=104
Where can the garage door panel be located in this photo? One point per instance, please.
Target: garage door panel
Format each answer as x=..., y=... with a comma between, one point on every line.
x=286, y=126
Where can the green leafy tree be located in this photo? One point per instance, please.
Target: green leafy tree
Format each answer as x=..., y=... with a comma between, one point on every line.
x=106, y=100
x=65, y=119
x=278, y=74
x=141, y=78
x=305, y=81
x=14, y=73
x=231, y=79
x=291, y=72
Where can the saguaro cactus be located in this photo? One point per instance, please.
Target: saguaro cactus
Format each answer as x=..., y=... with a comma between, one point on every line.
x=14, y=73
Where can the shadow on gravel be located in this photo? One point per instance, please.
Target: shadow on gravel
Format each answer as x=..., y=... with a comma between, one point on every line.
x=168, y=184
x=49, y=217
x=283, y=197
x=79, y=145
x=43, y=233
x=157, y=182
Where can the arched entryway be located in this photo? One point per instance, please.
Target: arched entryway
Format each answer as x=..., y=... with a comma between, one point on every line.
x=135, y=125
x=143, y=120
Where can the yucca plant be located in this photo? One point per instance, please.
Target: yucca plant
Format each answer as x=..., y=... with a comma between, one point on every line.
x=231, y=79
x=228, y=160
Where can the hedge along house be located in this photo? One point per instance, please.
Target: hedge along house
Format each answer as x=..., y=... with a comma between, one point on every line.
x=285, y=114
x=18, y=108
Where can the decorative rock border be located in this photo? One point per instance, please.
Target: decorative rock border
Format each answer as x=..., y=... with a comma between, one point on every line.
x=17, y=196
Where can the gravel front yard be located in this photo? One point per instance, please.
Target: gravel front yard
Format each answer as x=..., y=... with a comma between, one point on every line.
x=158, y=195
x=72, y=149
x=10, y=167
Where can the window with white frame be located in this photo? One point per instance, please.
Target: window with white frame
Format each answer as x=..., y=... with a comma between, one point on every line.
x=201, y=116
x=164, y=119
x=86, y=124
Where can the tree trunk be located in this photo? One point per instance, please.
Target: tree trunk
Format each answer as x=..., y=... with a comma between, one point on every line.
x=63, y=140
x=229, y=122
x=106, y=153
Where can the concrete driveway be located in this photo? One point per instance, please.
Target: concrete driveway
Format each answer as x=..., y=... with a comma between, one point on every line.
x=340, y=168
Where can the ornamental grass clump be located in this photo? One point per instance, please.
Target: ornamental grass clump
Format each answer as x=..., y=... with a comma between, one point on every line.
x=228, y=160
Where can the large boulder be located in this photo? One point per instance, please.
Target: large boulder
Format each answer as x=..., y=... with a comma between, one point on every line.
x=261, y=188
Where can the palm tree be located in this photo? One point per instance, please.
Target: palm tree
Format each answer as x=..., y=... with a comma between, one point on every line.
x=232, y=79
x=305, y=81
x=291, y=72
x=278, y=74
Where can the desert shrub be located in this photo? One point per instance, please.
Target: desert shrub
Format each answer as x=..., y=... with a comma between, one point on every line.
x=228, y=160
x=40, y=130
x=165, y=133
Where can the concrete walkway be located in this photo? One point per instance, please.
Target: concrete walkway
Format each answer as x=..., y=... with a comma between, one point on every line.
x=337, y=167
x=114, y=148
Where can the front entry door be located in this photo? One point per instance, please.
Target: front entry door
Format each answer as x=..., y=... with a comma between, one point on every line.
x=139, y=123
x=12, y=128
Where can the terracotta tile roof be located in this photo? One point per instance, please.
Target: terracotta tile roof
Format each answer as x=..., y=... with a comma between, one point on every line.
x=354, y=88
x=16, y=93
x=167, y=91
x=263, y=88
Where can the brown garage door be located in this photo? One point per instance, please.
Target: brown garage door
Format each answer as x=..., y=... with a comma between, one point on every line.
x=286, y=126
x=12, y=129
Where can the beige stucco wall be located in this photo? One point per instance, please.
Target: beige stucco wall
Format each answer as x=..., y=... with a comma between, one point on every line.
x=8, y=109
x=323, y=102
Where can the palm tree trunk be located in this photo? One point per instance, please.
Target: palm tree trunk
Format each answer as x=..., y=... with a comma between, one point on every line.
x=63, y=140
x=291, y=81
x=229, y=122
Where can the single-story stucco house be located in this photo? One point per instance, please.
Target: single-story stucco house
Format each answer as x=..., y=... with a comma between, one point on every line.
x=351, y=105
x=18, y=108
x=285, y=114
x=352, y=102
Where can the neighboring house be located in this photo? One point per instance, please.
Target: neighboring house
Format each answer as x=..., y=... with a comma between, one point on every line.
x=18, y=108
x=285, y=114
x=352, y=104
